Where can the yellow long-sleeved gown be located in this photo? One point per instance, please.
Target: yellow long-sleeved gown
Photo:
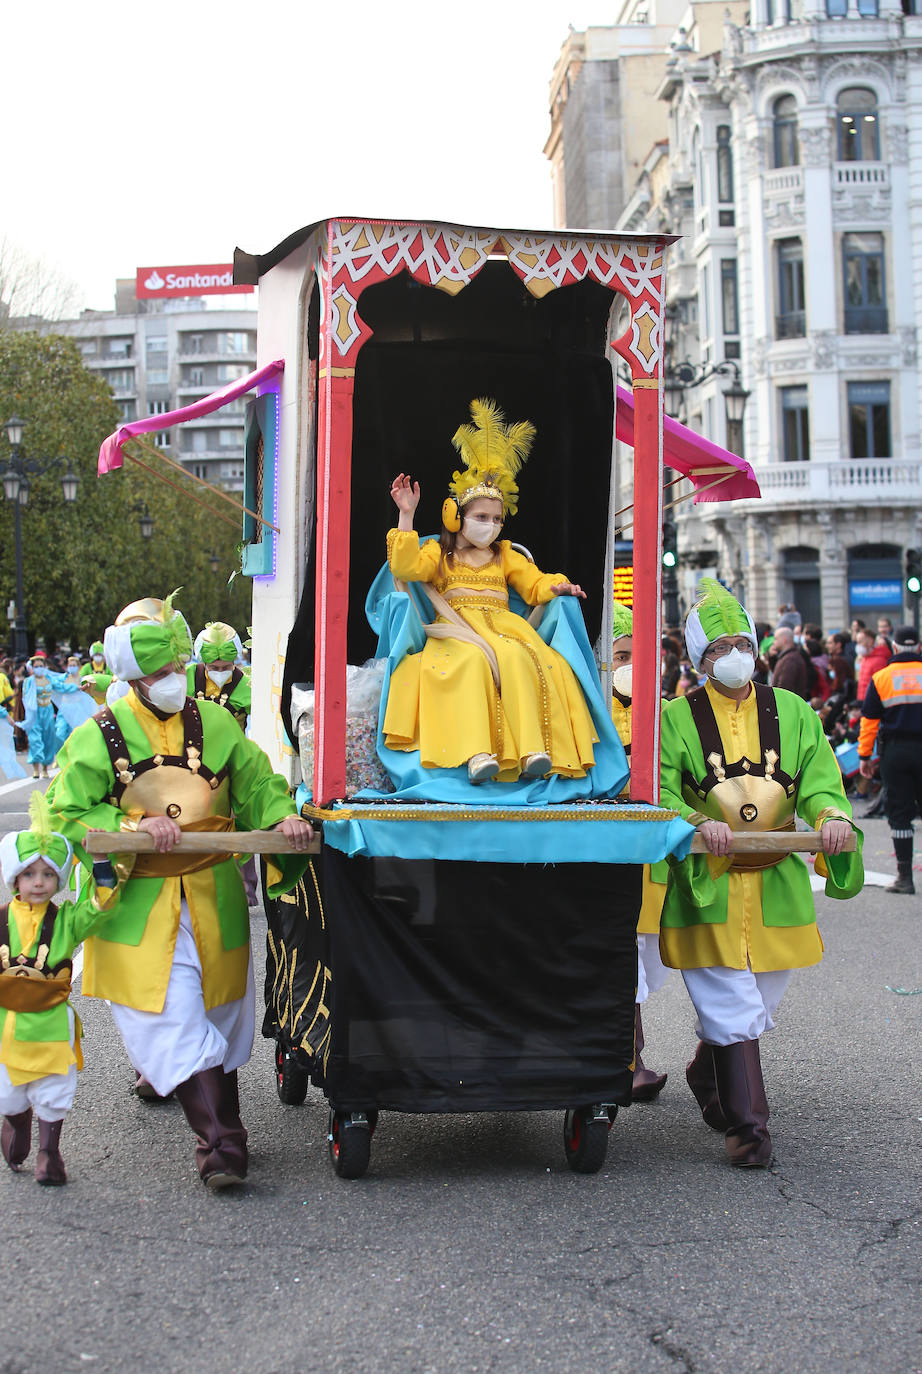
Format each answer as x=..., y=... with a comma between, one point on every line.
x=443, y=701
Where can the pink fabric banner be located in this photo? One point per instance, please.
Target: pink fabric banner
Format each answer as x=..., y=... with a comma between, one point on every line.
x=110, y=450
x=686, y=451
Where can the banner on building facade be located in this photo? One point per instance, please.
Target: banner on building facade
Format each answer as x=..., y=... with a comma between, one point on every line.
x=211, y=279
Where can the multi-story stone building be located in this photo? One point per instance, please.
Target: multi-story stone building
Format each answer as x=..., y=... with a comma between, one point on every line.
x=792, y=167
x=157, y=356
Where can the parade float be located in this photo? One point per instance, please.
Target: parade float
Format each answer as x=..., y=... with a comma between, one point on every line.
x=456, y=946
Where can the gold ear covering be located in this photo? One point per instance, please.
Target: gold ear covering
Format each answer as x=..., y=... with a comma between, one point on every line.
x=451, y=514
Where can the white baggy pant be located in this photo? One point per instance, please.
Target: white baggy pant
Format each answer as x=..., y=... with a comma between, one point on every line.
x=183, y=1039
x=50, y=1097
x=651, y=971
x=734, y=1004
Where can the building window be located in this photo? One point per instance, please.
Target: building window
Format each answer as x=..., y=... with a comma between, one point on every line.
x=868, y=9
x=200, y=470
x=795, y=424
x=869, y=419
x=196, y=376
x=791, y=321
x=196, y=440
x=157, y=407
x=729, y=296
x=858, y=125
x=87, y=347
x=912, y=6
x=863, y=267
x=121, y=380
x=128, y=409
x=162, y=438
x=724, y=173
x=118, y=348
x=192, y=343
x=234, y=343
x=230, y=438
x=230, y=372
x=836, y=9
x=786, y=144
x=157, y=344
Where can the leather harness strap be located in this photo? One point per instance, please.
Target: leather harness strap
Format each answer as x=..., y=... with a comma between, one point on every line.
x=44, y=938
x=768, y=763
x=125, y=771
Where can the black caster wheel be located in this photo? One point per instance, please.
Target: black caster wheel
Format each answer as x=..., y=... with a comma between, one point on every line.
x=290, y=1078
x=350, y=1142
x=585, y=1137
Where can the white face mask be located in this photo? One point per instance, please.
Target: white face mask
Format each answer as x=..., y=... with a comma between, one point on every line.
x=734, y=669
x=860, y=651
x=168, y=693
x=479, y=532
x=622, y=679
x=217, y=678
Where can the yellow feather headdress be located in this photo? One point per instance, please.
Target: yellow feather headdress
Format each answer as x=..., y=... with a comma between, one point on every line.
x=493, y=453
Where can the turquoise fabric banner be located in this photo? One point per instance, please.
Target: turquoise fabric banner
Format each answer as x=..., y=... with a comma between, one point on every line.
x=616, y=834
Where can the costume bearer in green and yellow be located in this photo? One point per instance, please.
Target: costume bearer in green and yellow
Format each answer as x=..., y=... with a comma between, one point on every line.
x=175, y=962
x=39, y=1030
x=651, y=974
x=742, y=757
x=218, y=676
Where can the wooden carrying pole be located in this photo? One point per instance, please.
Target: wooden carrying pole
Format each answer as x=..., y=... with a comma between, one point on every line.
x=776, y=842
x=198, y=842
x=271, y=842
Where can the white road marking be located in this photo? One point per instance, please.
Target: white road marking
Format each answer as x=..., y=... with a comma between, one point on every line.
x=19, y=782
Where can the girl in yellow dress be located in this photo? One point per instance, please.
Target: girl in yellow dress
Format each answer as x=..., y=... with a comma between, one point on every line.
x=486, y=690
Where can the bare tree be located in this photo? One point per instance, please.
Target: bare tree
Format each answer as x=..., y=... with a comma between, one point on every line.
x=31, y=289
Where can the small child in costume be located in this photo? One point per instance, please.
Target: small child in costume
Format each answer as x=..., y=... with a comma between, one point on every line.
x=486, y=691
x=39, y=1030
x=94, y=675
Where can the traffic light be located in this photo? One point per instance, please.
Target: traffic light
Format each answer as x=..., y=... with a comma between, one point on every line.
x=914, y=571
x=670, y=544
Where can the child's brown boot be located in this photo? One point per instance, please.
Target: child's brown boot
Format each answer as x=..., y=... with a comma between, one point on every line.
x=16, y=1138
x=49, y=1166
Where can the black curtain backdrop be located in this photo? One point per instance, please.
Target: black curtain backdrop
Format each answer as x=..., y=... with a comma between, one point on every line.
x=461, y=986
x=431, y=354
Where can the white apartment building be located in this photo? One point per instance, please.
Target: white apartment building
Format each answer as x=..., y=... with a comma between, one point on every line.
x=792, y=166
x=157, y=356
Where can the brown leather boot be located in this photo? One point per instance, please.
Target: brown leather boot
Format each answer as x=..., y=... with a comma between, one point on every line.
x=647, y=1084
x=212, y=1108
x=741, y=1094
x=700, y=1075
x=16, y=1139
x=49, y=1166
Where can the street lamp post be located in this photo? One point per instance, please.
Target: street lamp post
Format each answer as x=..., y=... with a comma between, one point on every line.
x=16, y=473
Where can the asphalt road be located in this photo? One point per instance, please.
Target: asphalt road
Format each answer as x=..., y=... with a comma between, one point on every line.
x=470, y=1246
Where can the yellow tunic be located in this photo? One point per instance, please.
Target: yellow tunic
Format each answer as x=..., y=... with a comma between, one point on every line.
x=443, y=701
x=654, y=892
x=26, y=1060
x=137, y=975
x=743, y=939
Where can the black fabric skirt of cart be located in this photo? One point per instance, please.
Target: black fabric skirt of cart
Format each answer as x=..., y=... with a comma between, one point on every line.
x=440, y=986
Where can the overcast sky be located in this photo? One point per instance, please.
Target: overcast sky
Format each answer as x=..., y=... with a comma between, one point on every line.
x=167, y=134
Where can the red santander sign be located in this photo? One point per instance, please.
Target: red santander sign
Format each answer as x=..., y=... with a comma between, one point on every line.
x=212, y=279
